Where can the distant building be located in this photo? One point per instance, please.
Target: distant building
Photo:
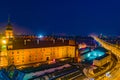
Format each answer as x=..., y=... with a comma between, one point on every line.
x=112, y=39
x=25, y=49
x=103, y=61
x=88, y=41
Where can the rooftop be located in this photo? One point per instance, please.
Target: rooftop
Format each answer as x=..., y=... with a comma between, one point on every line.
x=26, y=43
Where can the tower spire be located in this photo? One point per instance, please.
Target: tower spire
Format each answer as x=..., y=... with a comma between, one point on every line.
x=8, y=19
x=9, y=30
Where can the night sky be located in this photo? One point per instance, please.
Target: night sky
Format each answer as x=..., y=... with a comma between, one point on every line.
x=74, y=17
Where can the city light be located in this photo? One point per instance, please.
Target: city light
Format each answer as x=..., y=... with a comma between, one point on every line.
x=94, y=54
x=4, y=41
x=55, y=42
x=40, y=36
x=108, y=74
x=88, y=55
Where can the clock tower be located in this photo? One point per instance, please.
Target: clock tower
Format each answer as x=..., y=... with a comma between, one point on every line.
x=9, y=30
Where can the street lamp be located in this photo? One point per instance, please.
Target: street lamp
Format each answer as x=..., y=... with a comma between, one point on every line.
x=4, y=41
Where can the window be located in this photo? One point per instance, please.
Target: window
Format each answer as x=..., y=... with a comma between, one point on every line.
x=12, y=58
x=17, y=57
x=17, y=52
x=47, y=58
x=13, y=62
x=10, y=46
x=43, y=49
x=29, y=59
x=12, y=52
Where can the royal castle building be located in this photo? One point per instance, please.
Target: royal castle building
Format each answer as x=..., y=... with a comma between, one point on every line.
x=23, y=50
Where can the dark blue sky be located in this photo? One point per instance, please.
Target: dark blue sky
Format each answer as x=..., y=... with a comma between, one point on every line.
x=79, y=17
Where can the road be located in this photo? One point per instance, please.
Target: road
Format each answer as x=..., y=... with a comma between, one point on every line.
x=114, y=73
x=80, y=78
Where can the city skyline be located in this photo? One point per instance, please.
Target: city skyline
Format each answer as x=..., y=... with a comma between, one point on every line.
x=69, y=17
x=59, y=40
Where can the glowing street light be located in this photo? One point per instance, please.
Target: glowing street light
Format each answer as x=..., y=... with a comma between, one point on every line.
x=40, y=36
x=4, y=41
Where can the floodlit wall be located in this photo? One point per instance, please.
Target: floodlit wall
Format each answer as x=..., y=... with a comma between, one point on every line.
x=34, y=55
x=102, y=61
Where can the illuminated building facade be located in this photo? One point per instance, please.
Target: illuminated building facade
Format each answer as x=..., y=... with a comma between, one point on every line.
x=21, y=50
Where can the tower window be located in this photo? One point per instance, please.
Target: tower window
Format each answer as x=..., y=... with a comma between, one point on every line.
x=47, y=58
x=13, y=62
x=12, y=52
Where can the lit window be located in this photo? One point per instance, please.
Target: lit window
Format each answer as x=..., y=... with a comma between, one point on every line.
x=18, y=58
x=43, y=49
x=12, y=58
x=4, y=41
